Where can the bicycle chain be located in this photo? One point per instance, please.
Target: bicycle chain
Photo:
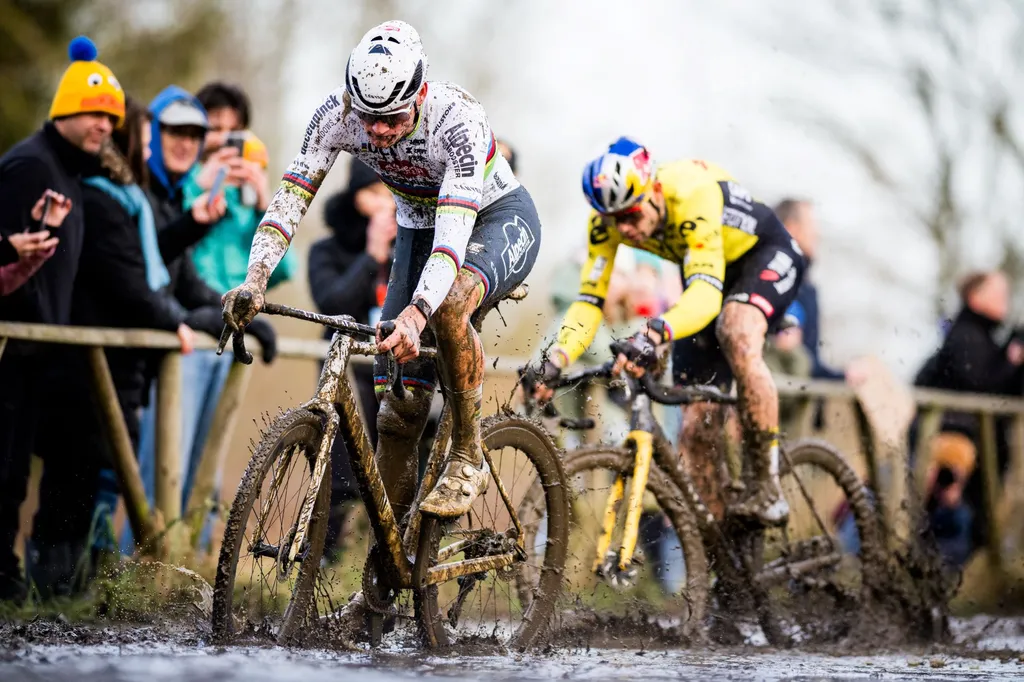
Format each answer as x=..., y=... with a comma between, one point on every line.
x=377, y=604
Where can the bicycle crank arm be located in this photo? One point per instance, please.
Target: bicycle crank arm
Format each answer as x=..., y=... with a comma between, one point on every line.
x=442, y=573
x=774, y=575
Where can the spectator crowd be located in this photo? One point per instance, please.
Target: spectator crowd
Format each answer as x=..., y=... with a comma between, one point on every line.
x=115, y=213
x=124, y=214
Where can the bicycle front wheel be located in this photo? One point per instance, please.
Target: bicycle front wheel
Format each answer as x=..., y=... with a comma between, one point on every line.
x=257, y=592
x=677, y=589
x=491, y=607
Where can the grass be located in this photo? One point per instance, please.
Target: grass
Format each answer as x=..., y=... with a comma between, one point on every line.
x=134, y=590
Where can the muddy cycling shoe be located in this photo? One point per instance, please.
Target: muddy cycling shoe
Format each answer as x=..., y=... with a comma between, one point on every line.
x=460, y=483
x=766, y=504
x=350, y=620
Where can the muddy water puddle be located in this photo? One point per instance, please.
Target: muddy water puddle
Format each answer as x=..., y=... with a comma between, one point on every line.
x=987, y=649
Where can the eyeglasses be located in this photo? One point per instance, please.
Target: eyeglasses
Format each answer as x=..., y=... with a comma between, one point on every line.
x=634, y=212
x=392, y=120
x=628, y=215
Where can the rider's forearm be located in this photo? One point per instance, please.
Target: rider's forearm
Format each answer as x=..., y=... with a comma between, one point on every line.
x=299, y=185
x=281, y=220
x=578, y=329
x=695, y=309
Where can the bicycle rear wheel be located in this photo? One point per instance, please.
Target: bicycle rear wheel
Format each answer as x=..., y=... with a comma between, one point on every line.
x=818, y=570
x=591, y=472
x=496, y=606
x=252, y=595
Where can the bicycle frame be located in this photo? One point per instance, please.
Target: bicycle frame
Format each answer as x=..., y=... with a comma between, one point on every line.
x=641, y=438
x=650, y=445
x=334, y=389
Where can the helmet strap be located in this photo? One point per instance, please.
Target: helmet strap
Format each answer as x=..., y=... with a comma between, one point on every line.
x=662, y=212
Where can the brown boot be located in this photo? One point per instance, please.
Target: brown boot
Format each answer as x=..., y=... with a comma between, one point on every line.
x=765, y=503
x=465, y=475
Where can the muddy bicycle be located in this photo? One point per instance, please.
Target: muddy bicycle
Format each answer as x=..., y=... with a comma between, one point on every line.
x=798, y=583
x=462, y=575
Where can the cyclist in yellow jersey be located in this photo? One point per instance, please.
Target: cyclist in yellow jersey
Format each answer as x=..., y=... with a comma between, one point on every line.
x=741, y=270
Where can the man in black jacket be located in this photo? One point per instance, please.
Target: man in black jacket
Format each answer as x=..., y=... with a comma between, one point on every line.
x=87, y=106
x=348, y=275
x=974, y=358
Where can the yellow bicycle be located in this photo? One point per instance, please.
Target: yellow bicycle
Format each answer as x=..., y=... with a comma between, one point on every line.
x=797, y=583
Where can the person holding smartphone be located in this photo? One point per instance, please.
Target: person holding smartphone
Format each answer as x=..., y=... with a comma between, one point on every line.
x=23, y=253
x=87, y=105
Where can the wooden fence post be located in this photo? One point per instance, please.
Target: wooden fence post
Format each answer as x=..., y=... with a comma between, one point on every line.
x=216, y=447
x=928, y=425
x=168, y=450
x=803, y=419
x=125, y=464
x=991, y=488
x=1011, y=504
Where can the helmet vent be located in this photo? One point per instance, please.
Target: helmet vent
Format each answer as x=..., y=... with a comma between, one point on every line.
x=414, y=84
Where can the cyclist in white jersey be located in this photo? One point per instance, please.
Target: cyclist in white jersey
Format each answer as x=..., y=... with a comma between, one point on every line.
x=468, y=234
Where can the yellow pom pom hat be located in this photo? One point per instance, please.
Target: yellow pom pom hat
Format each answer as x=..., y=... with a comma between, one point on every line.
x=87, y=86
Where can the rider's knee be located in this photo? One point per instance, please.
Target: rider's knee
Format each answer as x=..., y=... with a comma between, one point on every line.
x=741, y=330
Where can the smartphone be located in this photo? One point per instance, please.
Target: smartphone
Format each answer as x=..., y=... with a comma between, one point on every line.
x=46, y=212
x=218, y=182
x=236, y=139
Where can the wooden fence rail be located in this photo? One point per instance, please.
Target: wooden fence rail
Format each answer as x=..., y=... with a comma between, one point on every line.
x=150, y=526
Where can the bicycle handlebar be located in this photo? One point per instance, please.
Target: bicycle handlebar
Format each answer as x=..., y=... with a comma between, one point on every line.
x=683, y=395
x=648, y=384
x=341, y=323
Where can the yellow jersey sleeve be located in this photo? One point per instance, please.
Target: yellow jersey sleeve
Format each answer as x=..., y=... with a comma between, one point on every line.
x=703, y=264
x=584, y=316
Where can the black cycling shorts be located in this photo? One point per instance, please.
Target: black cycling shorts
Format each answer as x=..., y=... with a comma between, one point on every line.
x=501, y=252
x=767, y=277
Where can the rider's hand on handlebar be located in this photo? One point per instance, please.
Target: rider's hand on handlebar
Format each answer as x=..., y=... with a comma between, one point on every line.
x=242, y=303
x=405, y=340
x=535, y=379
x=636, y=354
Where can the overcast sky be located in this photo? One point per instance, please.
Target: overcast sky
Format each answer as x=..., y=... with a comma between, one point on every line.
x=734, y=81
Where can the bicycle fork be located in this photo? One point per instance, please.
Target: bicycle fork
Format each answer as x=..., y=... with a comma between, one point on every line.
x=642, y=439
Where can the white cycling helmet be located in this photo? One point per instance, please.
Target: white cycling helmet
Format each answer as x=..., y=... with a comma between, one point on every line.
x=386, y=69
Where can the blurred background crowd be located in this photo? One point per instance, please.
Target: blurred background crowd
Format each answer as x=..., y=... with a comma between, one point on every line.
x=129, y=196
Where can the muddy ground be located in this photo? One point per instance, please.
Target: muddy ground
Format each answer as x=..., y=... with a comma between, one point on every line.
x=982, y=649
